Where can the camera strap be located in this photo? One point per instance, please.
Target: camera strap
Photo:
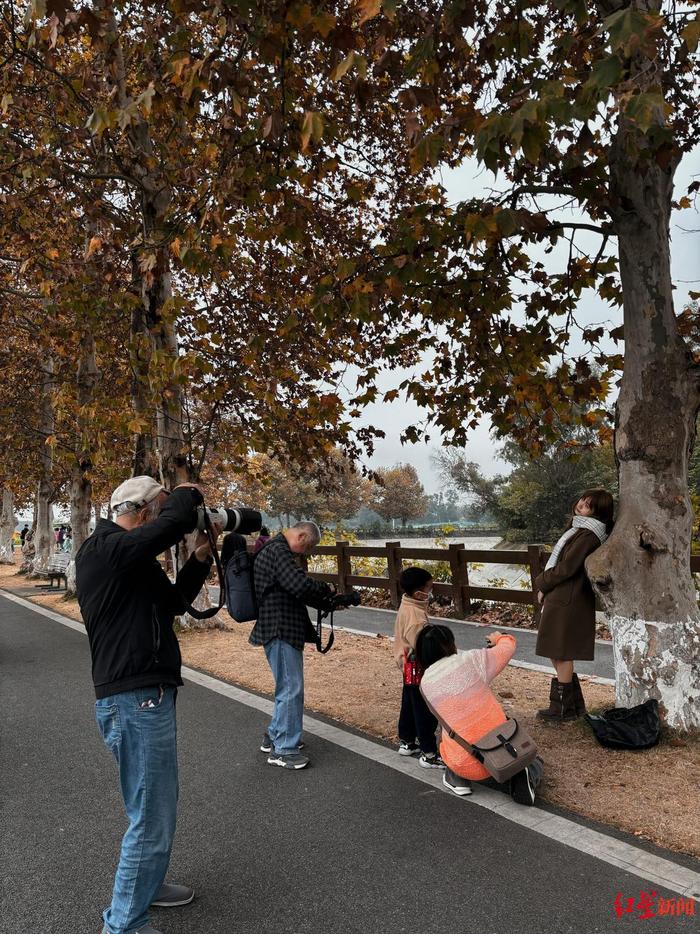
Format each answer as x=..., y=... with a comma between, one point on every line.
x=323, y=614
x=212, y=610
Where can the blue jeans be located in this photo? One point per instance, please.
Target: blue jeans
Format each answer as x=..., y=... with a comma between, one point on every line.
x=139, y=728
x=287, y=664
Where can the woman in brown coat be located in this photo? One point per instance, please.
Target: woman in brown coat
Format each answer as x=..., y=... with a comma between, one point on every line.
x=567, y=623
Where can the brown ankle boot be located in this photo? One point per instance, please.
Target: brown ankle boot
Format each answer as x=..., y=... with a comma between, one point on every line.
x=579, y=702
x=562, y=707
x=553, y=710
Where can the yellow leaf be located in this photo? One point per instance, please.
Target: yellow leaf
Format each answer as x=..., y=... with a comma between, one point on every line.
x=317, y=127
x=323, y=23
x=368, y=9
x=94, y=245
x=307, y=129
x=343, y=67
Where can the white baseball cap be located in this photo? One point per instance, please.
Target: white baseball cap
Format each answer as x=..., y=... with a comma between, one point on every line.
x=137, y=490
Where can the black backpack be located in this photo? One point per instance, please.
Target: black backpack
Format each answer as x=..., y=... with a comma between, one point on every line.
x=628, y=727
x=239, y=581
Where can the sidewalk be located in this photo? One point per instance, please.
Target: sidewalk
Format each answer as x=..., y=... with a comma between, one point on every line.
x=353, y=844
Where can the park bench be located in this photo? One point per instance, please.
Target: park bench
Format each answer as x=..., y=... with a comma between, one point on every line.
x=56, y=569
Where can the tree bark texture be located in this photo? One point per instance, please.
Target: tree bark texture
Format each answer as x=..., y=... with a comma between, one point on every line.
x=153, y=273
x=81, y=484
x=8, y=522
x=642, y=573
x=43, y=539
x=144, y=459
x=156, y=292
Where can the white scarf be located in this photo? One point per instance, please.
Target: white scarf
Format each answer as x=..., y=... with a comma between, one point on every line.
x=580, y=522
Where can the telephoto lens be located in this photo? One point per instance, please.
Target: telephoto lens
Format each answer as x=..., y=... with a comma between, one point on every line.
x=240, y=520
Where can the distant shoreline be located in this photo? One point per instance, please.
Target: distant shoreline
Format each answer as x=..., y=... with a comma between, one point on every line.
x=429, y=532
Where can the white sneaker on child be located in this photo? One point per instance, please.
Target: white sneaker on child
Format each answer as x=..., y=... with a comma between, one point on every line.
x=431, y=760
x=408, y=749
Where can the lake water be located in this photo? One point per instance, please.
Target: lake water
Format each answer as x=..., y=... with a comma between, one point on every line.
x=471, y=542
x=508, y=575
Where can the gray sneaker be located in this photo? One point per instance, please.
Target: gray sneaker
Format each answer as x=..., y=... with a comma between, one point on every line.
x=172, y=896
x=460, y=786
x=294, y=760
x=268, y=746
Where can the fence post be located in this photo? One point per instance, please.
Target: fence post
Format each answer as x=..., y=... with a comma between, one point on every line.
x=460, y=581
x=393, y=563
x=534, y=557
x=344, y=566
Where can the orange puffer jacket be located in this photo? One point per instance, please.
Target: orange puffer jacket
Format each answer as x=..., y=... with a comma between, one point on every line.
x=458, y=688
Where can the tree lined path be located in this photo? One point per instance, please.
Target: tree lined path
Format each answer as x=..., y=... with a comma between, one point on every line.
x=350, y=845
x=226, y=225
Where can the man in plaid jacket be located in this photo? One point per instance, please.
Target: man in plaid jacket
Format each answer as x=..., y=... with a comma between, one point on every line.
x=283, y=591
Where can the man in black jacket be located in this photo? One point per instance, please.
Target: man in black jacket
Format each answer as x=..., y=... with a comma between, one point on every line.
x=283, y=591
x=129, y=605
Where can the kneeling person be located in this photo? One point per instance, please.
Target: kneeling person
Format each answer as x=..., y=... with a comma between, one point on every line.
x=456, y=685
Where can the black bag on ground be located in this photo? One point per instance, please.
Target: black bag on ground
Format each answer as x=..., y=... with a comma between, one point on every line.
x=628, y=727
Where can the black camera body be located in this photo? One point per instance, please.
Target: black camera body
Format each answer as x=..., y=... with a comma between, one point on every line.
x=241, y=520
x=339, y=601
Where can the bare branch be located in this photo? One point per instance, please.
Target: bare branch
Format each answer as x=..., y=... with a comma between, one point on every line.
x=537, y=190
x=603, y=231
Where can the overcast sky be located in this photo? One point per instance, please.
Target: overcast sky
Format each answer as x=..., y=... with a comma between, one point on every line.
x=466, y=182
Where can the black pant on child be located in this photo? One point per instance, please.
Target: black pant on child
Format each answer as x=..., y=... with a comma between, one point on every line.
x=415, y=720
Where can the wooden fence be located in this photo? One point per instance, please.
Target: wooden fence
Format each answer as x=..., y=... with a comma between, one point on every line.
x=459, y=558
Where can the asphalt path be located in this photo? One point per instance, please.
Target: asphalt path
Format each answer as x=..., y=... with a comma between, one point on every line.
x=467, y=636
x=348, y=845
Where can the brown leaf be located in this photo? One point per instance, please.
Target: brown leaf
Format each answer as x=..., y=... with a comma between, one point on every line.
x=368, y=9
x=58, y=8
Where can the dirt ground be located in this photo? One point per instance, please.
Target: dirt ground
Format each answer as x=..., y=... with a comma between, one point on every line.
x=651, y=793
